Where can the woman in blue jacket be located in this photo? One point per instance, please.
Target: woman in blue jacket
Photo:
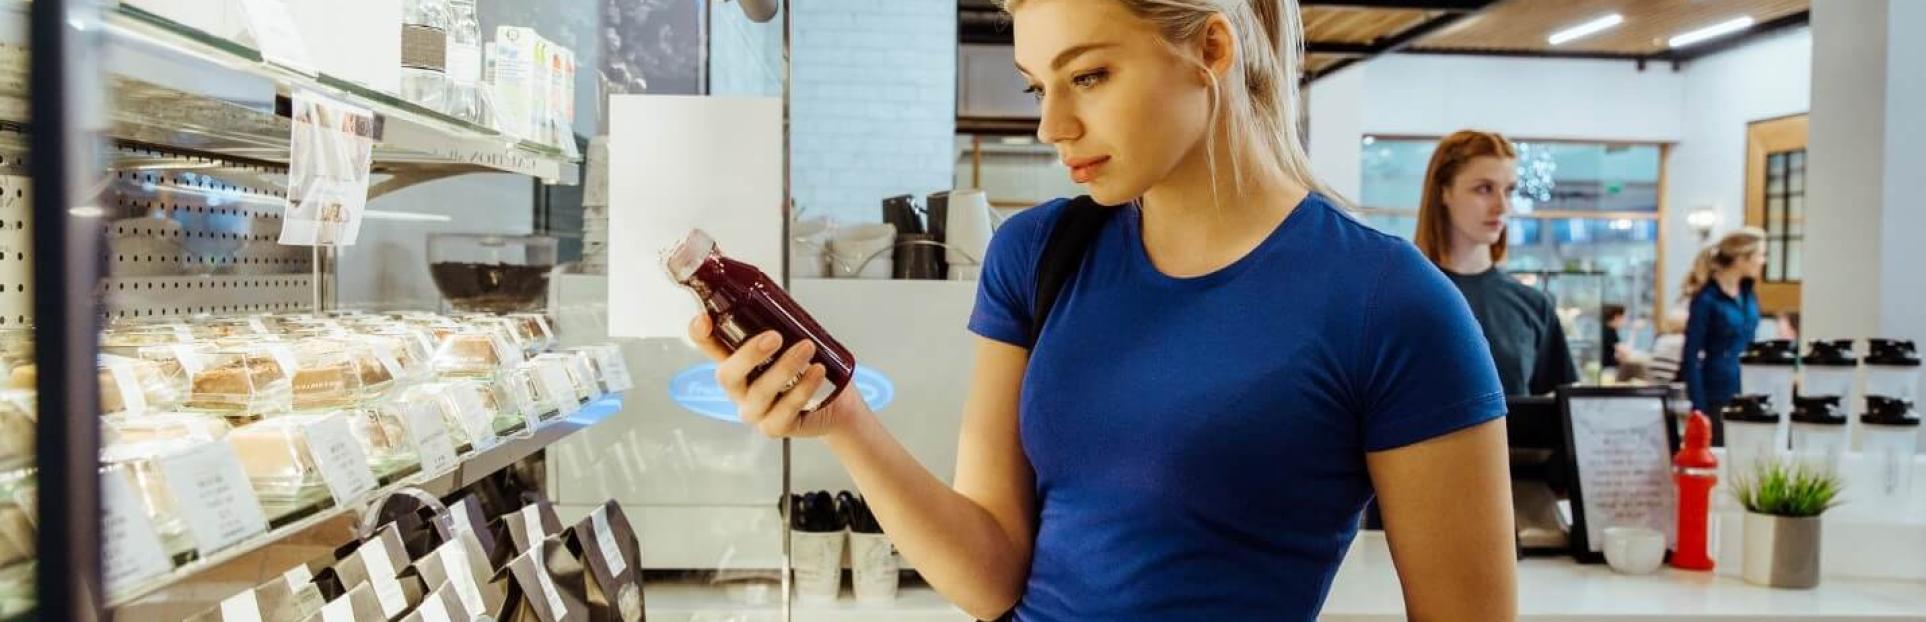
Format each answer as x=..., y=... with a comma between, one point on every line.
x=1724, y=316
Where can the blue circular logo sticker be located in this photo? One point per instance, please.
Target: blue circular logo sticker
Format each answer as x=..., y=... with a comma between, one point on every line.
x=696, y=390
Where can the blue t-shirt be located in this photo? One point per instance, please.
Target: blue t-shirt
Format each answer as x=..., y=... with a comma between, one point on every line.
x=1199, y=442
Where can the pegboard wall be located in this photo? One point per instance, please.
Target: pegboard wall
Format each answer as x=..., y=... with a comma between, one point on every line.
x=16, y=263
x=187, y=234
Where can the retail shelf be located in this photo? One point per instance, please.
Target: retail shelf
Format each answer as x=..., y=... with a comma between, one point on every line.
x=174, y=87
x=292, y=522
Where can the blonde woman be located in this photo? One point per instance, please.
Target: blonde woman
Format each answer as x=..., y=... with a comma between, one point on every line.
x=1724, y=317
x=1235, y=368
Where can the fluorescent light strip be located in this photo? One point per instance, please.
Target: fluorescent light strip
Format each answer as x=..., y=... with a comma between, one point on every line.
x=1711, y=32
x=404, y=216
x=1586, y=29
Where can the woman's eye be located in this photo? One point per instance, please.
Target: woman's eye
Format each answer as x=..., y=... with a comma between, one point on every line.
x=1089, y=79
x=1034, y=91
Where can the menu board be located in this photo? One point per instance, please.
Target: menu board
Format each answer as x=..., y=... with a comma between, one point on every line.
x=1621, y=444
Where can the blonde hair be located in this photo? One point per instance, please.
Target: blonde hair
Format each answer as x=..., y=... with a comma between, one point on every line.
x=1267, y=110
x=1434, y=219
x=1733, y=247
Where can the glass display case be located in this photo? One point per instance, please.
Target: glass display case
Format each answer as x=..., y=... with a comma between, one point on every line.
x=1579, y=298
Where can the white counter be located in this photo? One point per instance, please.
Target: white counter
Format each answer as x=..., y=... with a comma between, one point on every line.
x=1366, y=589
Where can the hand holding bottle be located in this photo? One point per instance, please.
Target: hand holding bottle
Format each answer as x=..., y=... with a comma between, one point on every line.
x=759, y=392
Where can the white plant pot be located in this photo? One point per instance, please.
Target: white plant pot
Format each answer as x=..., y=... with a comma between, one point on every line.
x=1781, y=551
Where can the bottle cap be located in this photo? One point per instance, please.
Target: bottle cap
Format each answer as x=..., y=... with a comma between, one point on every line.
x=1770, y=352
x=1881, y=410
x=1818, y=410
x=1892, y=352
x=1696, y=451
x=1830, y=353
x=1750, y=409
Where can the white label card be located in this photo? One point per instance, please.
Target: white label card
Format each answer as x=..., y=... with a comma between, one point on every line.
x=615, y=369
x=462, y=521
x=344, y=467
x=473, y=414
x=381, y=575
x=130, y=547
x=524, y=400
x=532, y=525
x=433, y=611
x=132, y=399
x=212, y=492
x=241, y=607
x=556, y=607
x=284, y=357
x=341, y=610
x=386, y=352
x=605, y=540
x=276, y=36
x=555, y=383
x=454, y=560
x=430, y=436
x=298, y=576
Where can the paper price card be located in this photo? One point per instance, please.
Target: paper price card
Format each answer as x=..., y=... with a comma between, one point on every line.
x=605, y=540
x=474, y=415
x=454, y=559
x=381, y=572
x=344, y=467
x=615, y=368
x=213, y=495
x=276, y=36
x=130, y=546
x=242, y=607
x=430, y=436
x=555, y=383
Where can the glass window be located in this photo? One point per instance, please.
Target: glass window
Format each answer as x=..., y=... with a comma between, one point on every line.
x=1785, y=217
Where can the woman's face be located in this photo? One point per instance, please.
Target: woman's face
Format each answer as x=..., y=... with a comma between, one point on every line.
x=1479, y=197
x=1753, y=265
x=1122, y=108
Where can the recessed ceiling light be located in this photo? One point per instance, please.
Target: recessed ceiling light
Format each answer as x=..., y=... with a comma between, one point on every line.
x=1586, y=29
x=1711, y=32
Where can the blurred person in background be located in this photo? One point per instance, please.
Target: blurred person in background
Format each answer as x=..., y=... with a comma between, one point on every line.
x=1724, y=317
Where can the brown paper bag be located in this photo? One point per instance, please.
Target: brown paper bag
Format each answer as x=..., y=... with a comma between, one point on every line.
x=378, y=563
x=521, y=529
x=605, y=542
x=536, y=594
x=460, y=566
x=359, y=604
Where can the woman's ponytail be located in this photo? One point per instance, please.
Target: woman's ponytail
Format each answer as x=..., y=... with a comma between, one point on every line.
x=1731, y=248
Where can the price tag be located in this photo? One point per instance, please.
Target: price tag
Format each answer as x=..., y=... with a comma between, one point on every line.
x=462, y=521
x=473, y=414
x=430, y=436
x=454, y=560
x=555, y=383
x=341, y=610
x=213, y=495
x=241, y=607
x=532, y=525
x=132, y=399
x=190, y=360
x=432, y=610
x=274, y=33
x=381, y=573
x=130, y=547
x=344, y=467
x=284, y=357
x=556, y=608
x=615, y=368
x=605, y=539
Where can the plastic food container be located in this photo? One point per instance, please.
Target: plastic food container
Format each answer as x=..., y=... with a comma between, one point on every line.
x=410, y=348
x=383, y=432
x=165, y=426
x=17, y=533
x=17, y=417
x=139, y=463
x=136, y=385
x=245, y=381
x=491, y=273
x=580, y=373
x=441, y=396
x=473, y=352
x=531, y=329
x=337, y=373
x=274, y=452
x=222, y=327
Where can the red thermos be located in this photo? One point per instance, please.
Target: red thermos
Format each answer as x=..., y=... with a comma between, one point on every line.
x=1695, y=470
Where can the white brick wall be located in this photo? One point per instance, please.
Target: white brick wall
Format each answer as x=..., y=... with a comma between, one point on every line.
x=873, y=105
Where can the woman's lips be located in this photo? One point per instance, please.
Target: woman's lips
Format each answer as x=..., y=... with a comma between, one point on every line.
x=1082, y=170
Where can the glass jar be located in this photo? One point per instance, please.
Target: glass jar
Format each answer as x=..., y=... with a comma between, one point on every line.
x=424, y=53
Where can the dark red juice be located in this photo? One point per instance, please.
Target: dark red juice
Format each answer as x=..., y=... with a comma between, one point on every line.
x=742, y=302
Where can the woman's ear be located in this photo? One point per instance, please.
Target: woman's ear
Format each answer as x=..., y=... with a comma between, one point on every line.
x=1219, y=46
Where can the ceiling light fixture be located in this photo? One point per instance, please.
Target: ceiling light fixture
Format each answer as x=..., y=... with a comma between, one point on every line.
x=1586, y=29
x=1711, y=32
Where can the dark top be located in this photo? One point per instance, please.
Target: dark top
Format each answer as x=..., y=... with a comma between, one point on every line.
x=1199, y=443
x=1716, y=334
x=1527, y=340
x=1610, y=342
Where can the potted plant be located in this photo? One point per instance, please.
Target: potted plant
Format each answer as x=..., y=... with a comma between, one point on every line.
x=1783, y=500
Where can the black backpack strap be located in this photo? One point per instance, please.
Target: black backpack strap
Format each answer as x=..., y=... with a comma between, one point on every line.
x=1063, y=254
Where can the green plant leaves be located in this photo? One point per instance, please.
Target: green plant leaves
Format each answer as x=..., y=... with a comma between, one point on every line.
x=1793, y=488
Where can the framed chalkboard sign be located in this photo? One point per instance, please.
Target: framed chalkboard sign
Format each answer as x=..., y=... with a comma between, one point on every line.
x=1619, y=443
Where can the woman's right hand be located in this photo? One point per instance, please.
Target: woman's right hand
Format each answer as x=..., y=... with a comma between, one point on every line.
x=762, y=403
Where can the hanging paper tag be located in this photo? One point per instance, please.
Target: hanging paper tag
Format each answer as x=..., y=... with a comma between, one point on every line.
x=381, y=573
x=276, y=36
x=432, y=610
x=331, y=151
x=605, y=540
x=455, y=563
x=133, y=400
x=341, y=610
x=556, y=607
x=532, y=525
x=462, y=521
x=430, y=436
x=297, y=577
x=130, y=547
x=213, y=495
x=242, y=607
x=344, y=467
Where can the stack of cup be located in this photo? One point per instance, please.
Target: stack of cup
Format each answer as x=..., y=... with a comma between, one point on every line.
x=967, y=232
x=874, y=571
x=809, y=248
x=1768, y=368
x=1753, y=432
x=1819, y=431
x=816, y=546
x=1892, y=369
x=1828, y=370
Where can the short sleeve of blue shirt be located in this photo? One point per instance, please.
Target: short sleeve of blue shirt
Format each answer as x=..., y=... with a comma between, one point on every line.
x=1199, y=442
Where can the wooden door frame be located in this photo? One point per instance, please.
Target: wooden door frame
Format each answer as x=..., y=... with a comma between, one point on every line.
x=1762, y=138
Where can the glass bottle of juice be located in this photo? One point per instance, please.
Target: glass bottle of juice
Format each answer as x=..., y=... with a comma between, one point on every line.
x=742, y=303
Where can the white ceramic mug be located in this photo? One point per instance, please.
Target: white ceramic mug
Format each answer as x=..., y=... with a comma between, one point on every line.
x=1634, y=550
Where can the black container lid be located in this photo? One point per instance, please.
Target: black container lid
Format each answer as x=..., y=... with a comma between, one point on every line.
x=1749, y=409
x=1820, y=410
x=1830, y=353
x=1881, y=410
x=1892, y=352
x=1771, y=352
